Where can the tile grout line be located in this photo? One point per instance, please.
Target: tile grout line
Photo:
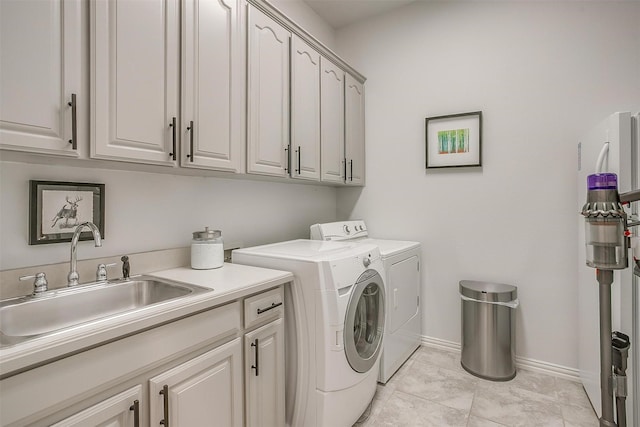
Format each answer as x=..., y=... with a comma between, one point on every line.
x=471, y=407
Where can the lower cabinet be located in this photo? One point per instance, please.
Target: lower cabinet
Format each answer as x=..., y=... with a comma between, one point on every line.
x=264, y=374
x=121, y=410
x=206, y=390
x=234, y=377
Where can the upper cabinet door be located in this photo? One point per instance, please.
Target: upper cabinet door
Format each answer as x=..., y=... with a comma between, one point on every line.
x=134, y=79
x=268, y=94
x=332, y=124
x=354, y=131
x=305, y=110
x=40, y=71
x=213, y=80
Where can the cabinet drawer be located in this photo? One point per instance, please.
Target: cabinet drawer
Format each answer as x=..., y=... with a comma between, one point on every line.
x=265, y=306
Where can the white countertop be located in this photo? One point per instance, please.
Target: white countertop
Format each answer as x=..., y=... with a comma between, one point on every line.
x=228, y=283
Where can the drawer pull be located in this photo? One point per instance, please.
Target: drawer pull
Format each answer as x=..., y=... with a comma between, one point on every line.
x=165, y=396
x=273, y=305
x=136, y=413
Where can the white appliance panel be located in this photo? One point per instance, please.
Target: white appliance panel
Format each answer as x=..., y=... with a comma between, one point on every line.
x=402, y=294
x=302, y=249
x=391, y=248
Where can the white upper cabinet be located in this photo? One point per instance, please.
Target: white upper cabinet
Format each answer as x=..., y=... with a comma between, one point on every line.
x=225, y=85
x=305, y=110
x=213, y=82
x=332, y=123
x=40, y=74
x=135, y=69
x=268, y=96
x=354, y=131
x=134, y=79
x=308, y=85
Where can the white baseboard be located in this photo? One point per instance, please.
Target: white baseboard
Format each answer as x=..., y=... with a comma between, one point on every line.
x=534, y=365
x=559, y=371
x=441, y=344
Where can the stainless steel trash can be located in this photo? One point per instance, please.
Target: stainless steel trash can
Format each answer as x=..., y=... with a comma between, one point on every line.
x=488, y=329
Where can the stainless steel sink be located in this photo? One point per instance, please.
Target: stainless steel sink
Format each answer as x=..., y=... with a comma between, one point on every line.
x=29, y=317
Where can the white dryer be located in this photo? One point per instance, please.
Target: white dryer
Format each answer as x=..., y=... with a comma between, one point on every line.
x=334, y=318
x=401, y=259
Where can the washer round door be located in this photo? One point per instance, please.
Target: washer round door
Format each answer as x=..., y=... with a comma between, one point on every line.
x=364, y=322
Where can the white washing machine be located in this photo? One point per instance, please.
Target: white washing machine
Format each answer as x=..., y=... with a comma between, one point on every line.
x=401, y=259
x=334, y=318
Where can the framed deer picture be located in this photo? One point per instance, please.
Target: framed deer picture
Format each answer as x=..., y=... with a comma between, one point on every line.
x=57, y=208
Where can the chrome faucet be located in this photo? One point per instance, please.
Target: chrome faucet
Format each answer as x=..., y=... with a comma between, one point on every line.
x=72, y=278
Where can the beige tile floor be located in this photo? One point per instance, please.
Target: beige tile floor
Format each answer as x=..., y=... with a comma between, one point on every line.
x=432, y=389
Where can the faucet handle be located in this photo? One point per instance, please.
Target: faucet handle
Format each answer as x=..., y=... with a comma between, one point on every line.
x=126, y=267
x=101, y=272
x=40, y=283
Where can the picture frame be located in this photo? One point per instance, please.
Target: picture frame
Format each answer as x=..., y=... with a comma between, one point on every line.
x=57, y=208
x=454, y=140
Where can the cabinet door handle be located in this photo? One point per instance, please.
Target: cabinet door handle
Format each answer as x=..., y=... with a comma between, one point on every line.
x=172, y=125
x=136, y=413
x=299, y=166
x=74, y=122
x=344, y=162
x=255, y=345
x=165, y=397
x=271, y=307
x=286, y=150
x=190, y=129
x=351, y=166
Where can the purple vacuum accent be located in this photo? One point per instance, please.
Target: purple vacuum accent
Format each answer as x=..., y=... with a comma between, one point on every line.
x=602, y=181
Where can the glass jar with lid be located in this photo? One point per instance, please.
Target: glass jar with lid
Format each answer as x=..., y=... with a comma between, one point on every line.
x=207, y=249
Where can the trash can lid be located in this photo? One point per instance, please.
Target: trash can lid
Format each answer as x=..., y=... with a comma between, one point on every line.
x=488, y=291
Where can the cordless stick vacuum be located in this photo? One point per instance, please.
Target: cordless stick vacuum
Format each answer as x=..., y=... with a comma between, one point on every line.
x=607, y=242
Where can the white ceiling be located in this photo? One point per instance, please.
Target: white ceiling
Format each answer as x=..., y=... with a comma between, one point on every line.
x=339, y=13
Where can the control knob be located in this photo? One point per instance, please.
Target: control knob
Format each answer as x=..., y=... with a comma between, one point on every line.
x=366, y=261
x=346, y=229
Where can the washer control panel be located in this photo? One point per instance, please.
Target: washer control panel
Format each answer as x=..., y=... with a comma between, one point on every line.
x=341, y=230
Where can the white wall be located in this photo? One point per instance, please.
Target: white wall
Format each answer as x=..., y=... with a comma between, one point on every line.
x=542, y=73
x=149, y=211
x=300, y=13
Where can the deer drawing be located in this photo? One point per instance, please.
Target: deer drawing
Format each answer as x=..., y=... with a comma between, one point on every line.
x=67, y=213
